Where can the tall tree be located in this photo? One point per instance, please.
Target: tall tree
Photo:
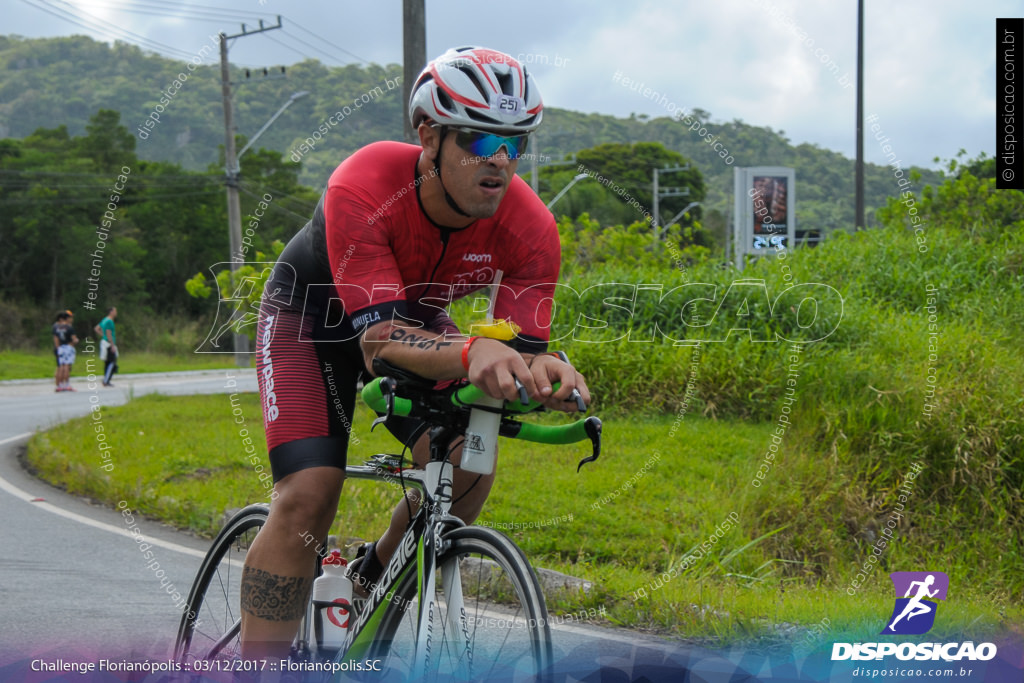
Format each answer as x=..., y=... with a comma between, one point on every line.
x=107, y=142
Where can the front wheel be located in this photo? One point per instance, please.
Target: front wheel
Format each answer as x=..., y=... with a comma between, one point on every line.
x=500, y=631
x=211, y=624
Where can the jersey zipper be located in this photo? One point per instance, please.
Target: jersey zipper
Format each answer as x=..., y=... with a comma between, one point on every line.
x=445, y=234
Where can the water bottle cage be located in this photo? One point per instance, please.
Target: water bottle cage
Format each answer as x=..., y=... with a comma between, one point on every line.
x=330, y=608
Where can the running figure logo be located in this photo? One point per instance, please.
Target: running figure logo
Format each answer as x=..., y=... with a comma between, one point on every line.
x=914, y=613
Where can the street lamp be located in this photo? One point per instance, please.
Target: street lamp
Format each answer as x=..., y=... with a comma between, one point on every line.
x=231, y=170
x=576, y=179
x=679, y=215
x=295, y=96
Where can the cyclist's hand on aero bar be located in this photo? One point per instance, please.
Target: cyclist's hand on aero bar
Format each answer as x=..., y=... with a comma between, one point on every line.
x=494, y=367
x=548, y=369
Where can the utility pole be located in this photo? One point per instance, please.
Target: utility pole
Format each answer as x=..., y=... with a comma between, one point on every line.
x=658, y=194
x=414, y=56
x=656, y=206
x=534, y=167
x=231, y=171
x=860, y=116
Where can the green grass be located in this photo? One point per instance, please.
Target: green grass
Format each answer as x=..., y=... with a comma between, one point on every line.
x=924, y=368
x=40, y=364
x=878, y=395
x=649, y=500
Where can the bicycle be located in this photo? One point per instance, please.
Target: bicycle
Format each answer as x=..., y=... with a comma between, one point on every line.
x=455, y=602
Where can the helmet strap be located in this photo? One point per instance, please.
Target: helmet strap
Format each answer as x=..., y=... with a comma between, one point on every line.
x=437, y=171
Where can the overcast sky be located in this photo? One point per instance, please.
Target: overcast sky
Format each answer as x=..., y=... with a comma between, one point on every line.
x=929, y=65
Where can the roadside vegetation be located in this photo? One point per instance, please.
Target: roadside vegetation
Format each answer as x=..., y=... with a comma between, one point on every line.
x=39, y=364
x=914, y=365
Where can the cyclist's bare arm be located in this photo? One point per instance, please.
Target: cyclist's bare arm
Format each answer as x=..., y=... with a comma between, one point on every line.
x=493, y=366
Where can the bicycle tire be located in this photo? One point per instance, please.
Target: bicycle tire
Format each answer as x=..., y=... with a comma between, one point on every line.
x=209, y=627
x=507, y=617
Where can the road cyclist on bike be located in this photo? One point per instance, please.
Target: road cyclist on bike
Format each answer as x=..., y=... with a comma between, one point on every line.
x=400, y=231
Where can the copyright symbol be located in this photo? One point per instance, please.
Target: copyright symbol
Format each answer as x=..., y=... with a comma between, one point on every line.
x=1007, y=174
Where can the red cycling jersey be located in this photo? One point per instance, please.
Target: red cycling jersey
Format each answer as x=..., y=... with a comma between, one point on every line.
x=384, y=250
x=370, y=244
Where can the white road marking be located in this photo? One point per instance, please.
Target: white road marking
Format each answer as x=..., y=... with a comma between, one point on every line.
x=49, y=507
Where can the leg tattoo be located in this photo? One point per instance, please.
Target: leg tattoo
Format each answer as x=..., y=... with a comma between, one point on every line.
x=274, y=597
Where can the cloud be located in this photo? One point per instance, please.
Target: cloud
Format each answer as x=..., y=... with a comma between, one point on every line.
x=929, y=66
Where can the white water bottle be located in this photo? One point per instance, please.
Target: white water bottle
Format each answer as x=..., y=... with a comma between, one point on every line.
x=480, y=449
x=332, y=597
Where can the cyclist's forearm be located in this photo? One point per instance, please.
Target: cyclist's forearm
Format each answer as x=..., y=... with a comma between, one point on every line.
x=437, y=355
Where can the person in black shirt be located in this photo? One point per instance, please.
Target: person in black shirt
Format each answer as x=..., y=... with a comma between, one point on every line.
x=64, y=341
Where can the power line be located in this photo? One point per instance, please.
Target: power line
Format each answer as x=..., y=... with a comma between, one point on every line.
x=289, y=47
x=81, y=18
x=104, y=28
x=109, y=30
x=178, y=11
x=194, y=14
x=301, y=204
x=326, y=41
x=277, y=207
x=213, y=15
x=99, y=188
x=24, y=175
x=125, y=200
x=333, y=58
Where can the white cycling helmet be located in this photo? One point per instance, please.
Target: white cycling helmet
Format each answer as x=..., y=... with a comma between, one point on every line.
x=477, y=88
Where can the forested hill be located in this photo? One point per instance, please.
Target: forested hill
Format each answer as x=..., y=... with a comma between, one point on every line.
x=45, y=83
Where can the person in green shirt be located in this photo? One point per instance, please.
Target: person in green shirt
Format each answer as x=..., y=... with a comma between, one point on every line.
x=108, y=345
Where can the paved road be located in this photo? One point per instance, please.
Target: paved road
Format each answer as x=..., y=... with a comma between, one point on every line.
x=71, y=572
x=74, y=582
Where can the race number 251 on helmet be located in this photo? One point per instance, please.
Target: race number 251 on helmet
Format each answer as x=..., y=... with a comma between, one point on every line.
x=473, y=87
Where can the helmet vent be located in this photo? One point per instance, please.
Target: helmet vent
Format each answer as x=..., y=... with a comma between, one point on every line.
x=477, y=116
x=444, y=100
x=475, y=78
x=506, y=83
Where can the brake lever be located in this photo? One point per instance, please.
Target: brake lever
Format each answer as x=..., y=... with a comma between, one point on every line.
x=575, y=395
x=524, y=398
x=592, y=425
x=388, y=387
x=580, y=405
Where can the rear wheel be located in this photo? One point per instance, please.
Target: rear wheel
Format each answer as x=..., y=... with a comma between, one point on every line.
x=211, y=624
x=501, y=631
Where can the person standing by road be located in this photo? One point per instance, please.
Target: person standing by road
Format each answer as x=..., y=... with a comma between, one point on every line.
x=56, y=330
x=108, y=345
x=64, y=341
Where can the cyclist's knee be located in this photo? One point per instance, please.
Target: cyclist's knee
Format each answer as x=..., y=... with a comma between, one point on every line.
x=308, y=497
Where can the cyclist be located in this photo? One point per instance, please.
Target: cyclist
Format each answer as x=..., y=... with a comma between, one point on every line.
x=400, y=231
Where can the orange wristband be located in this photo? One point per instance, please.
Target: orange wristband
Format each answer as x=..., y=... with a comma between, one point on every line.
x=465, y=352
x=545, y=353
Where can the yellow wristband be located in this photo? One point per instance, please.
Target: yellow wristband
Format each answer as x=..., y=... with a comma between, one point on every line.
x=502, y=330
